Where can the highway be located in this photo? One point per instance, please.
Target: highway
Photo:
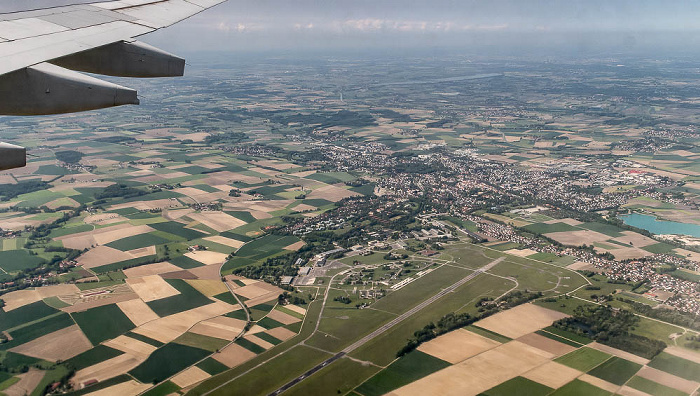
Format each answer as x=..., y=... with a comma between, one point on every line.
x=388, y=325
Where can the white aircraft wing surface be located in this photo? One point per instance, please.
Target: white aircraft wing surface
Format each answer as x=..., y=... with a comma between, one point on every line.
x=42, y=52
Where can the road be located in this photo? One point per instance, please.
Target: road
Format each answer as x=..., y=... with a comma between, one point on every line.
x=388, y=325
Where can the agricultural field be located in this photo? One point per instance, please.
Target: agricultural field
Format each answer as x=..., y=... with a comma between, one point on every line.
x=245, y=225
x=528, y=364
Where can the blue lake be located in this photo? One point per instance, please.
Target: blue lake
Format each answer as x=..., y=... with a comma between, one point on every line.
x=651, y=224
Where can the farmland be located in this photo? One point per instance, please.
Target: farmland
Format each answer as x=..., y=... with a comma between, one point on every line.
x=246, y=225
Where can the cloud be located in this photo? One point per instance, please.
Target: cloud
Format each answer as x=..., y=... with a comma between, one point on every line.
x=392, y=25
x=237, y=27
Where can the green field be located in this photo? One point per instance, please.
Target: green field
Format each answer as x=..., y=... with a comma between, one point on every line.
x=24, y=315
x=188, y=298
x=266, y=244
x=411, y=367
x=212, y=366
x=166, y=361
x=531, y=274
x=677, y=366
x=211, y=344
x=660, y=247
x=518, y=386
x=687, y=275
x=18, y=260
x=249, y=345
x=138, y=241
x=258, y=249
x=124, y=264
x=289, y=312
x=185, y=262
x=242, y=215
x=237, y=314
x=164, y=389
x=607, y=229
x=268, y=377
x=616, y=370
x=145, y=339
x=103, y=323
x=17, y=361
x=583, y=359
x=653, y=388
x=226, y=297
x=266, y=337
x=337, y=378
x=544, y=256
x=178, y=229
x=544, y=228
x=317, y=202
x=579, y=388
x=92, y=356
x=23, y=334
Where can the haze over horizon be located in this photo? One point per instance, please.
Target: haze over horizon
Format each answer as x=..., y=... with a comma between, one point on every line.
x=507, y=25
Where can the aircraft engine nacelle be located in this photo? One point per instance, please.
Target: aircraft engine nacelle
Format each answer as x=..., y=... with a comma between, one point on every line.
x=125, y=59
x=12, y=156
x=49, y=89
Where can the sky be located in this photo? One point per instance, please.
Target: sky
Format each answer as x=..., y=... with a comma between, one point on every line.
x=250, y=25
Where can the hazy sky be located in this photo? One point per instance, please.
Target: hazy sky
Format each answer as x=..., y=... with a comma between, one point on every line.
x=273, y=24
x=279, y=24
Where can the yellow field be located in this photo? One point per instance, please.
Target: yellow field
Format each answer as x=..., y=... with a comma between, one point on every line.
x=221, y=327
x=208, y=287
x=190, y=376
x=128, y=388
x=233, y=355
x=207, y=257
x=152, y=287
x=521, y=320
x=552, y=374
x=137, y=311
x=281, y=333
x=131, y=346
x=170, y=327
x=480, y=373
x=151, y=269
x=59, y=345
x=20, y=298
x=282, y=317
x=107, y=369
x=457, y=346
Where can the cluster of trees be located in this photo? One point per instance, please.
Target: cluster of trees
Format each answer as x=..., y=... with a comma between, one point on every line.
x=271, y=269
x=69, y=156
x=323, y=120
x=120, y=190
x=287, y=298
x=343, y=299
x=453, y=321
x=611, y=327
x=226, y=138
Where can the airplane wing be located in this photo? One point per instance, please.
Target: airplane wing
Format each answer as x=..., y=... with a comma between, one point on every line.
x=42, y=52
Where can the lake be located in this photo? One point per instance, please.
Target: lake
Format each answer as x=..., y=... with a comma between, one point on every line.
x=651, y=224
